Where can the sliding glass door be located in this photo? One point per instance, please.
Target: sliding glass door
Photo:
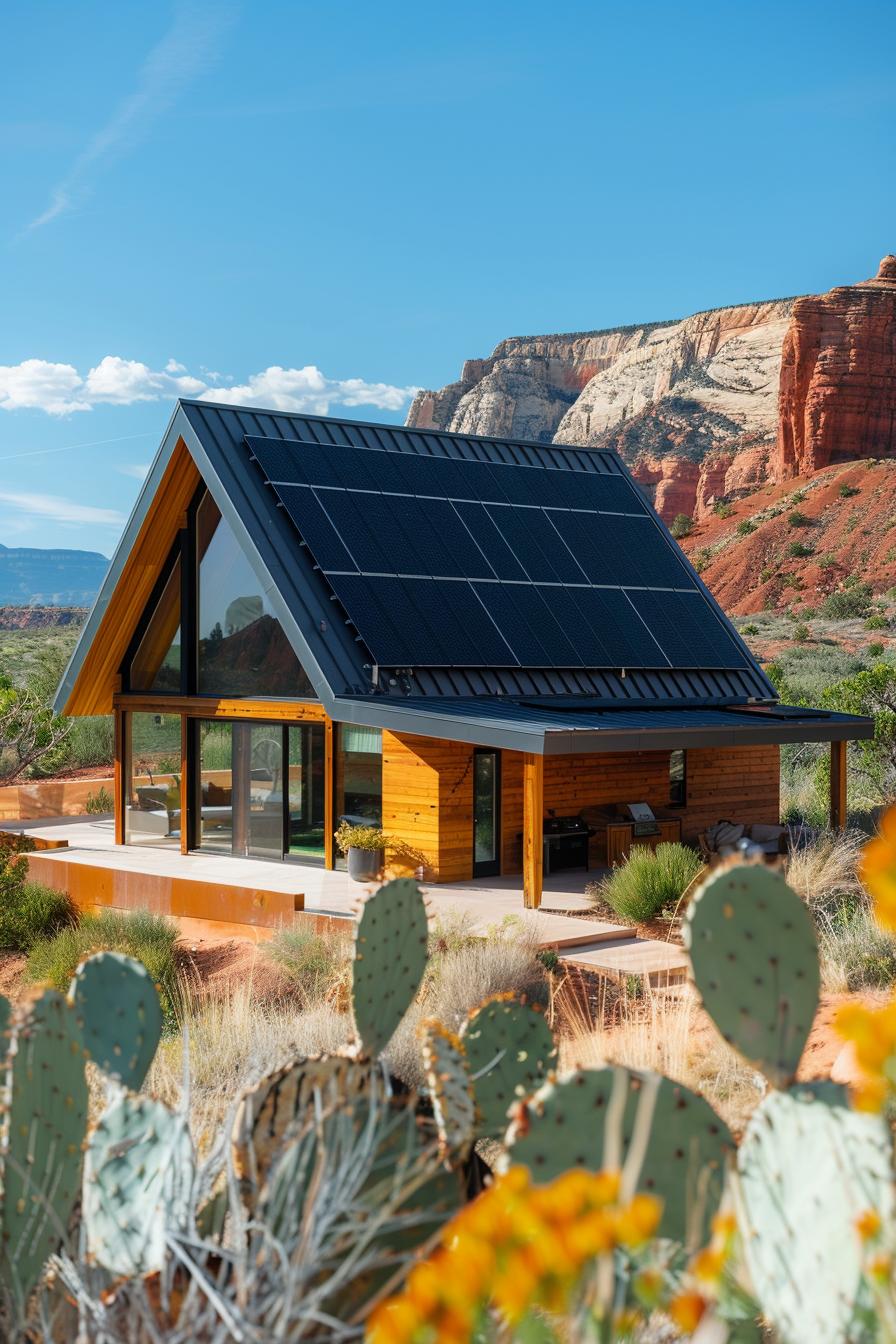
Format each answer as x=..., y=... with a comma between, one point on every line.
x=259, y=790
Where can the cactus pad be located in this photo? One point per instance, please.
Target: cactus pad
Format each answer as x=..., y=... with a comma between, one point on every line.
x=390, y=961
x=450, y=1087
x=754, y=959
x=286, y=1098
x=43, y=1135
x=118, y=1011
x=138, y=1180
x=806, y=1171
x=510, y=1050
x=564, y=1125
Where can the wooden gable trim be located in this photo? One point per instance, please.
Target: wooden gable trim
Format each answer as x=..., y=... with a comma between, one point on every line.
x=97, y=680
x=223, y=707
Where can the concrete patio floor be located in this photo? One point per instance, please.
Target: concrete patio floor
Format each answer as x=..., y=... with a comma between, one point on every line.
x=561, y=923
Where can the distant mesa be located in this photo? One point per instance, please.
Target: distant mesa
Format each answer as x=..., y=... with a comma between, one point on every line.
x=33, y=577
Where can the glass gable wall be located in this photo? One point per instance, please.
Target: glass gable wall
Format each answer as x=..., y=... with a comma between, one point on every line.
x=242, y=647
x=156, y=662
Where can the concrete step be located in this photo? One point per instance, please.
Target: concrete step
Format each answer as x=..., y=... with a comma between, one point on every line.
x=659, y=962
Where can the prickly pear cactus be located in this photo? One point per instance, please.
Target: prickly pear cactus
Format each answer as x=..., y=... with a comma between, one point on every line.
x=510, y=1049
x=286, y=1097
x=565, y=1125
x=754, y=959
x=44, y=1122
x=138, y=1180
x=806, y=1170
x=118, y=1010
x=390, y=961
x=449, y=1086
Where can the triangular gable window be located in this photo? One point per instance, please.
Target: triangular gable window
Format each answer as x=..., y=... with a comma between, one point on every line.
x=156, y=663
x=242, y=647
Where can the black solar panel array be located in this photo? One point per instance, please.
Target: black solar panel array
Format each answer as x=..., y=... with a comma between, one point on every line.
x=443, y=562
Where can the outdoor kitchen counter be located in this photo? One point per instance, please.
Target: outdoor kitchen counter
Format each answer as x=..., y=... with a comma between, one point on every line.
x=614, y=836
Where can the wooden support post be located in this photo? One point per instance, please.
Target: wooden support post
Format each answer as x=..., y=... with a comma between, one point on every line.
x=120, y=772
x=184, y=784
x=838, y=786
x=329, y=780
x=533, y=827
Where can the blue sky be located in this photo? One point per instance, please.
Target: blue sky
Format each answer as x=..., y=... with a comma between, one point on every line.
x=330, y=204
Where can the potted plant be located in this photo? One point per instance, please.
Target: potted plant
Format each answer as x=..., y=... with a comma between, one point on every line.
x=364, y=848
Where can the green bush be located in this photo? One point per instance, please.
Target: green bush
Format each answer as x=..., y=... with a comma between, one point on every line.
x=856, y=953
x=701, y=558
x=847, y=491
x=723, y=509
x=312, y=962
x=799, y=549
x=745, y=527
x=681, y=525
x=850, y=601
x=649, y=881
x=31, y=912
x=875, y=649
x=798, y=519
x=751, y=628
x=801, y=633
x=146, y=937
x=877, y=622
x=827, y=561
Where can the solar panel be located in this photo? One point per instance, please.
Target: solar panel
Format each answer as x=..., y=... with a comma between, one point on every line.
x=455, y=562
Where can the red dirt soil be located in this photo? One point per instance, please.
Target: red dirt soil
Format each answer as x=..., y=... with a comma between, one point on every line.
x=858, y=531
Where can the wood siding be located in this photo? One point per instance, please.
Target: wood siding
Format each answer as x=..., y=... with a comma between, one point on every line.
x=740, y=783
x=428, y=806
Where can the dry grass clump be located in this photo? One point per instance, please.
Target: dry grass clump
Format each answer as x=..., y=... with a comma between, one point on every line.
x=824, y=872
x=664, y=1030
x=232, y=1040
x=464, y=969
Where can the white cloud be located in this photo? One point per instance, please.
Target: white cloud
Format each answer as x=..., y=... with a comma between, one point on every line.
x=37, y=382
x=189, y=44
x=59, y=389
x=60, y=510
x=124, y=381
x=309, y=390
x=139, y=470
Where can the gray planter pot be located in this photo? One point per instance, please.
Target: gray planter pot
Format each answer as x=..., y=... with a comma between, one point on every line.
x=364, y=865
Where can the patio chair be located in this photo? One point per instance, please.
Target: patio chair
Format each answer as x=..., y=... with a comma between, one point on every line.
x=720, y=841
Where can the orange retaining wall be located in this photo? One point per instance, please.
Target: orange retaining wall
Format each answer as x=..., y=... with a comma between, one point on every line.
x=37, y=798
x=91, y=885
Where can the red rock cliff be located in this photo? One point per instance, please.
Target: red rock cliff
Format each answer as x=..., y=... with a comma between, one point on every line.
x=838, y=377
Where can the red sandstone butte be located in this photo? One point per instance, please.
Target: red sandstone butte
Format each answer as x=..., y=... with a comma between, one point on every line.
x=838, y=377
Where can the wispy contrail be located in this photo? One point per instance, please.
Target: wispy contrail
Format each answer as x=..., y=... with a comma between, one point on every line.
x=191, y=43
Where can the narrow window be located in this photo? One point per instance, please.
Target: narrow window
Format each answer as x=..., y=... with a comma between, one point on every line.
x=678, y=784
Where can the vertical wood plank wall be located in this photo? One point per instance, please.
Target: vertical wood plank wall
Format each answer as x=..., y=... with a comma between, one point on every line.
x=741, y=783
x=428, y=805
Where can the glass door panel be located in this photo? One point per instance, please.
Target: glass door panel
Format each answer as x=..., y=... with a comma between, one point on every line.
x=263, y=782
x=214, y=819
x=305, y=793
x=486, y=813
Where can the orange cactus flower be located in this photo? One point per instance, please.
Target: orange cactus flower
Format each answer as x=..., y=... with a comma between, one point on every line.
x=687, y=1310
x=868, y=1225
x=877, y=870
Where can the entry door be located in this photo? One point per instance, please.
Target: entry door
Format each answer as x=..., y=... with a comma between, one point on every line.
x=486, y=813
x=263, y=782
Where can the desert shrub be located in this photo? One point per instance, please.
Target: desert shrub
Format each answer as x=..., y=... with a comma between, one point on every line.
x=701, y=558
x=799, y=549
x=649, y=881
x=745, y=527
x=99, y=803
x=30, y=912
x=766, y=573
x=723, y=509
x=801, y=633
x=798, y=519
x=313, y=963
x=466, y=967
x=847, y=491
x=682, y=524
x=146, y=937
x=856, y=953
x=798, y=496
x=875, y=649
x=877, y=622
x=827, y=561
x=850, y=601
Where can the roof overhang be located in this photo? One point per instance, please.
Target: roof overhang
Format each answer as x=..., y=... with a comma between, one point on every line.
x=515, y=727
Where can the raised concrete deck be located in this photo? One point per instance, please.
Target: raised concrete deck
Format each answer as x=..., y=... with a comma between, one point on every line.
x=253, y=897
